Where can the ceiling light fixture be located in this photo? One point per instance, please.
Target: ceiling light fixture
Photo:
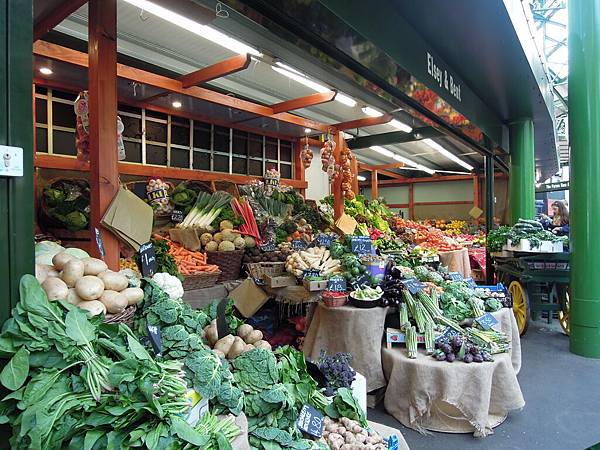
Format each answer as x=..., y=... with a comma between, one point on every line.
x=382, y=151
x=292, y=73
x=176, y=104
x=413, y=165
x=307, y=130
x=437, y=147
x=361, y=178
x=46, y=71
x=204, y=31
x=400, y=125
x=372, y=112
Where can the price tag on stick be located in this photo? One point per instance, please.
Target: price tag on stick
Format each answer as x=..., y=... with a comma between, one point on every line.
x=310, y=421
x=148, y=259
x=99, y=243
x=154, y=335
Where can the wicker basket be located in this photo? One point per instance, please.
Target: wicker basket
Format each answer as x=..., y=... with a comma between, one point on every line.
x=230, y=263
x=261, y=269
x=332, y=302
x=125, y=317
x=201, y=281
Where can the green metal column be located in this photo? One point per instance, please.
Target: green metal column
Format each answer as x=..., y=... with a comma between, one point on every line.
x=522, y=170
x=16, y=129
x=584, y=120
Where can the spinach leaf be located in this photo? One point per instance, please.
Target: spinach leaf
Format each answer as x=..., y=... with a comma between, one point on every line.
x=15, y=372
x=184, y=431
x=78, y=328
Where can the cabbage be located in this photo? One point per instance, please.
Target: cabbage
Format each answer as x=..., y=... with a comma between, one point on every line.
x=45, y=251
x=77, y=253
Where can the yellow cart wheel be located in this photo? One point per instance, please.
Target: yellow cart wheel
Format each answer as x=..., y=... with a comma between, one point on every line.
x=564, y=313
x=520, y=301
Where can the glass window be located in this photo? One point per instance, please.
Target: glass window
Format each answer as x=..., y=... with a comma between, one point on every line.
x=133, y=151
x=180, y=158
x=129, y=109
x=41, y=140
x=63, y=115
x=240, y=143
x=40, y=89
x=285, y=151
x=156, y=155
x=180, y=134
x=255, y=145
x=221, y=137
x=156, y=115
x=156, y=132
x=63, y=142
x=202, y=135
x=255, y=167
x=285, y=170
x=41, y=111
x=133, y=127
x=221, y=163
x=271, y=148
x=65, y=95
x=239, y=165
x=201, y=161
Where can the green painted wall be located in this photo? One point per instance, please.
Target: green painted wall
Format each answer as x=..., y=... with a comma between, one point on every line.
x=397, y=194
x=446, y=191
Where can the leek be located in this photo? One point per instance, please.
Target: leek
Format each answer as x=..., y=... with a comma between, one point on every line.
x=206, y=209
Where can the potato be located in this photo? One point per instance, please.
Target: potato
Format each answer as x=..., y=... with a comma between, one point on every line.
x=134, y=295
x=248, y=347
x=55, y=288
x=212, y=334
x=113, y=281
x=94, y=307
x=262, y=344
x=43, y=271
x=73, y=298
x=237, y=348
x=72, y=271
x=93, y=266
x=253, y=337
x=219, y=353
x=60, y=259
x=224, y=344
x=89, y=287
x=114, y=301
x=244, y=330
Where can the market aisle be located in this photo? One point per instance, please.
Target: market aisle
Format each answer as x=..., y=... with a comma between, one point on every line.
x=562, y=392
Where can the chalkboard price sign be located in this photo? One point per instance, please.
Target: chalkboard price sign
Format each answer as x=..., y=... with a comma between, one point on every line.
x=337, y=284
x=487, y=321
x=268, y=246
x=413, y=285
x=310, y=421
x=99, y=242
x=362, y=281
x=177, y=216
x=361, y=245
x=455, y=276
x=311, y=273
x=471, y=282
x=299, y=244
x=448, y=334
x=154, y=335
x=148, y=259
x=324, y=240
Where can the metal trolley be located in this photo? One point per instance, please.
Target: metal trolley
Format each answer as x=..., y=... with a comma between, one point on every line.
x=539, y=286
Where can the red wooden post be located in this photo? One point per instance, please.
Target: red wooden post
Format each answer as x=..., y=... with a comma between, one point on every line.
x=354, y=168
x=476, y=191
x=411, y=201
x=102, y=75
x=374, y=185
x=298, y=164
x=336, y=186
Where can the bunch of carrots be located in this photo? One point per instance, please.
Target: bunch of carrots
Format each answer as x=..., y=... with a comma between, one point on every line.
x=189, y=262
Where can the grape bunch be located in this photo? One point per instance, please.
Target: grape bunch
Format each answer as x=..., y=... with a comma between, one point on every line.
x=336, y=370
x=450, y=350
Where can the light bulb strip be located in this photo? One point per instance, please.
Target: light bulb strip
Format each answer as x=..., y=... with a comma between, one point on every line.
x=441, y=150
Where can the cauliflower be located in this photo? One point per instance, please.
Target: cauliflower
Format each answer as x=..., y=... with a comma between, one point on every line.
x=170, y=284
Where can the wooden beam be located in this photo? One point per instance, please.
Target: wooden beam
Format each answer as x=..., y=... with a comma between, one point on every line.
x=476, y=191
x=411, y=201
x=406, y=181
x=68, y=55
x=104, y=173
x=303, y=102
x=384, y=166
x=457, y=202
x=374, y=185
x=55, y=16
x=354, y=168
x=382, y=171
x=218, y=70
x=336, y=186
x=364, y=122
x=145, y=171
x=394, y=137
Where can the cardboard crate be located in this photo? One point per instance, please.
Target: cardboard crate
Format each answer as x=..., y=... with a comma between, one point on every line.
x=280, y=281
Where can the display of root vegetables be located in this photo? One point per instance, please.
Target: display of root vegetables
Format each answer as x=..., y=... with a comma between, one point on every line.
x=230, y=346
x=347, y=434
x=313, y=258
x=88, y=284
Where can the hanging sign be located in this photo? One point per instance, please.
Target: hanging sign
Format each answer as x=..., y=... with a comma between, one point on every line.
x=361, y=245
x=147, y=259
x=99, y=242
x=310, y=421
x=487, y=321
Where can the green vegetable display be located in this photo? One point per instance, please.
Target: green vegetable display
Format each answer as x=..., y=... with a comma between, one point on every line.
x=345, y=405
x=67, y=204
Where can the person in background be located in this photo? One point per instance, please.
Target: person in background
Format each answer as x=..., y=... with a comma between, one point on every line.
x=559, y=222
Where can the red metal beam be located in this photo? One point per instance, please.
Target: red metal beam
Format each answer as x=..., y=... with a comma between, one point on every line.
x=104, y=173
x=354, y=168
x=411, y=201
x=364, y=122
x=476, y=191
x=303, y=102
x=218, y=70
x=55, y=16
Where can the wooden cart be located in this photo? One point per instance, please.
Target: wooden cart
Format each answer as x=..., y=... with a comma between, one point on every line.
x=539, y=285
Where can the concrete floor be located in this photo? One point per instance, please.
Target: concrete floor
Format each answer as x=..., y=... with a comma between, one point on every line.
x=562, y=395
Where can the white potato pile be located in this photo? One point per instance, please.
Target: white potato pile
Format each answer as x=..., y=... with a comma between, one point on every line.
x=230, y=346
x=88, y=284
